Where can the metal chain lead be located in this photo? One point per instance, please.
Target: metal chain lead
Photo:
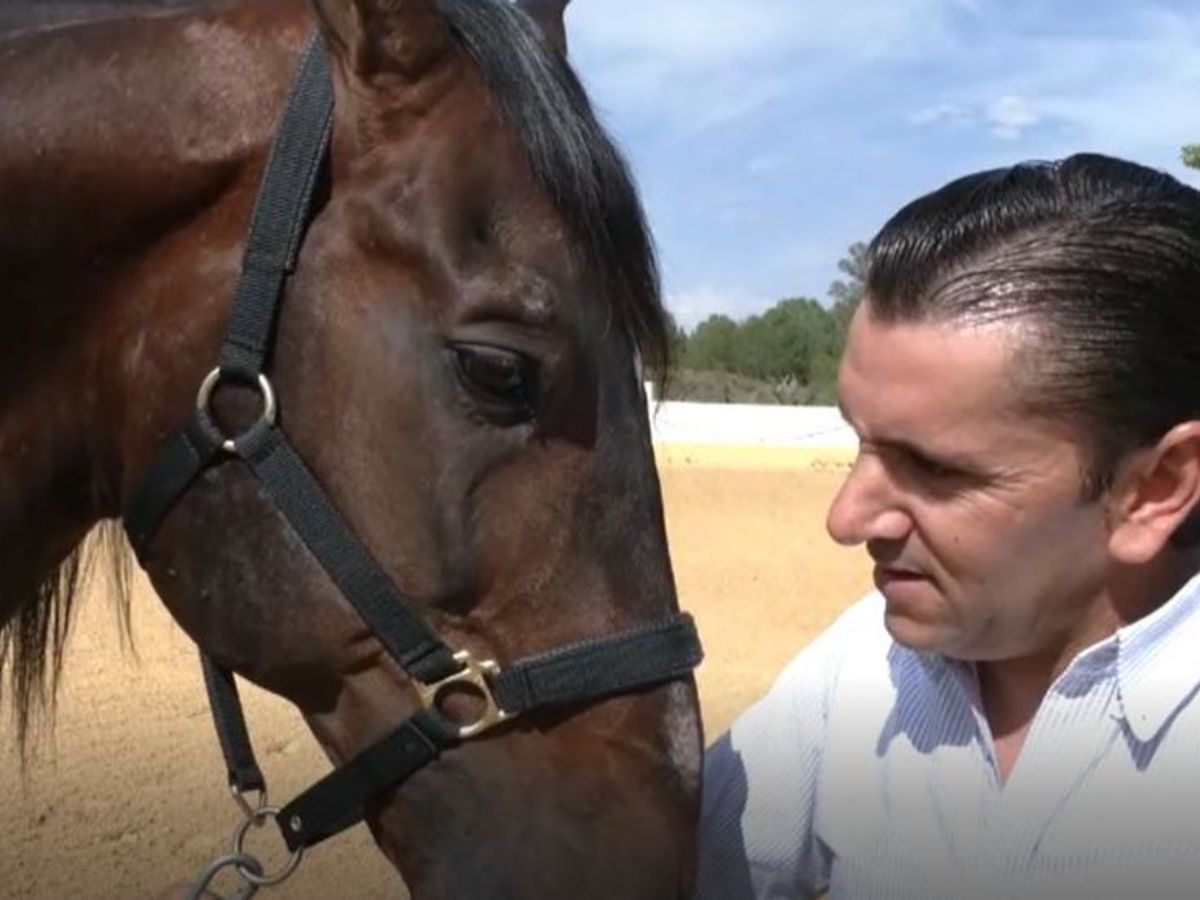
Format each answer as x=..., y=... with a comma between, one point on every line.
x=243, y=862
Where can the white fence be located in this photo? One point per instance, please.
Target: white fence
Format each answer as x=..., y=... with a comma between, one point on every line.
x=822, y=427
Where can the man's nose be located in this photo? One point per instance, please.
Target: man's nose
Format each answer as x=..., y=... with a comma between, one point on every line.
x=868, y=506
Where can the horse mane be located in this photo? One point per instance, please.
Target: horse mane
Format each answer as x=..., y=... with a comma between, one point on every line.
x=33, y=642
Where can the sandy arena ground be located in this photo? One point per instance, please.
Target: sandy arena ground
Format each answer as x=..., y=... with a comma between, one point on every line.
x=127, y=794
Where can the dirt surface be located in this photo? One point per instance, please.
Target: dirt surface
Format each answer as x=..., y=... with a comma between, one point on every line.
x=126, y=795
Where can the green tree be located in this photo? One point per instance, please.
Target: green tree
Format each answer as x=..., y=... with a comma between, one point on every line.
x=791, y=352
x=823, y=384
x=712, y=345
x=846, y=293
x=677, y=339
x=1191, y=156
x=787, y=340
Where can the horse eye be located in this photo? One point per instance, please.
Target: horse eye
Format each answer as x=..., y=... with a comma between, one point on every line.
x=505, y=381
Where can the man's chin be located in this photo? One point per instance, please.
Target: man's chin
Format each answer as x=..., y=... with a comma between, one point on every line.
x=916, y=634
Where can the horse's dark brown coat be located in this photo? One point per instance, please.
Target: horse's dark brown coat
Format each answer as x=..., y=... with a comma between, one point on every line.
x=129, y=155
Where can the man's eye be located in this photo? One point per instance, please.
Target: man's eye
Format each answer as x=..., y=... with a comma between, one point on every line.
x=932, y=468
x=503, y=380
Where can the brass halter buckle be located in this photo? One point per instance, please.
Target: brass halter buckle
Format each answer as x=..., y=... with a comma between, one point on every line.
x=475, y=674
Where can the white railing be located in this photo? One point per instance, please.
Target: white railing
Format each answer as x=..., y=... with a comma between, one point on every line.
x=750, y=425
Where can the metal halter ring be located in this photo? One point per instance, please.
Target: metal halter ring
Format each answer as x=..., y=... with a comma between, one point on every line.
x=213, y=378
x=243, y=804
x=475, y=674
x=260, y=817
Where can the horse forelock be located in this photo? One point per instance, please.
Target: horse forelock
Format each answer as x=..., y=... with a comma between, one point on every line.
x=573, y=158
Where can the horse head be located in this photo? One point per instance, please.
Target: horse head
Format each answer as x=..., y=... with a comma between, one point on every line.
x=455, y=360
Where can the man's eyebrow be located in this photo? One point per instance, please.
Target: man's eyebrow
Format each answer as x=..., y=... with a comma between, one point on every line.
x=915, y=450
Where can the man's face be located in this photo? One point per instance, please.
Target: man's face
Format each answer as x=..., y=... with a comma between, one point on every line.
x=970, y=510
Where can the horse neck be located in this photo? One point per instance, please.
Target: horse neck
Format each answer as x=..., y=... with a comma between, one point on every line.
x=126, y=191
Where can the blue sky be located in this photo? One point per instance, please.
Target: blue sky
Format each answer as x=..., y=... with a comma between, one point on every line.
x=768, y=135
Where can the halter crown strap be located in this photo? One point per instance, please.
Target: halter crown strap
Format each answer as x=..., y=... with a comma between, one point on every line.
x=587, y=671
x=280, y=213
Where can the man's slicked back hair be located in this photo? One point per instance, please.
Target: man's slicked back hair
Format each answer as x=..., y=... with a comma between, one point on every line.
x=1100, y=257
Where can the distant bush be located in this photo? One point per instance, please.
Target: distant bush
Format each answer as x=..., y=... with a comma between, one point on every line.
x=788, y=354
x=728, y=387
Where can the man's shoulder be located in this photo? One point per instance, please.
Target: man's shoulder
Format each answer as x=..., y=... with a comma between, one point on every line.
x=862, y=619
x=858, y=634
x=856, y=653
x=854, y=643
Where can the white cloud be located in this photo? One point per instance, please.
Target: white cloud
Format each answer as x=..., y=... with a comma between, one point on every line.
x=1135, y=97
x=712, y=63
x=1010, y=116
x=1007, y=117
x=731, y=105
x=764, y=131
x=714, y=33
x=943, y=112
x=1122, y=94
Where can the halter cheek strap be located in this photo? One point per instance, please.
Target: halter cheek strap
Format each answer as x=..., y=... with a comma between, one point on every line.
x=655, y=653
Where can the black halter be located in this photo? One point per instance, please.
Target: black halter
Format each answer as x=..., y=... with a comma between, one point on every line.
x=657, y=653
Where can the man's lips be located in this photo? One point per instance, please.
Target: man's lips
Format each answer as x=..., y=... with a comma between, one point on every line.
x=890, y=575
x=897, y=572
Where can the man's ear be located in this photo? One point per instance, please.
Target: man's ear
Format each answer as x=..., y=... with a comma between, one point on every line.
x=404, y=38
x=549, y=15
x=1155, y=492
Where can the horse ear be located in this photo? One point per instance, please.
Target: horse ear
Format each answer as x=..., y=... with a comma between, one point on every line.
x=397, y=37
x=549, y=16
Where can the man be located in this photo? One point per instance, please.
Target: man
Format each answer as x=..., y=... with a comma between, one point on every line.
x=1013, y=712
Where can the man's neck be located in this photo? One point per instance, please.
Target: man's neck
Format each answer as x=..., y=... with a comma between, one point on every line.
x=1012, y=690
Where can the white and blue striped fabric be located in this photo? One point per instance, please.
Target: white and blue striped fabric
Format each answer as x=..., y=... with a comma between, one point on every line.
x=867, y=771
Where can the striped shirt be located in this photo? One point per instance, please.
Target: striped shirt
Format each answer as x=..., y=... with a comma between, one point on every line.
x=868, y=771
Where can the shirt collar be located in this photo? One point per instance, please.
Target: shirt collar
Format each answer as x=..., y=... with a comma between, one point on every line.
x=1158, y=665
x=1156, y=661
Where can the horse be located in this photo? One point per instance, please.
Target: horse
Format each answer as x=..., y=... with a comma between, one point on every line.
x=449, y=357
